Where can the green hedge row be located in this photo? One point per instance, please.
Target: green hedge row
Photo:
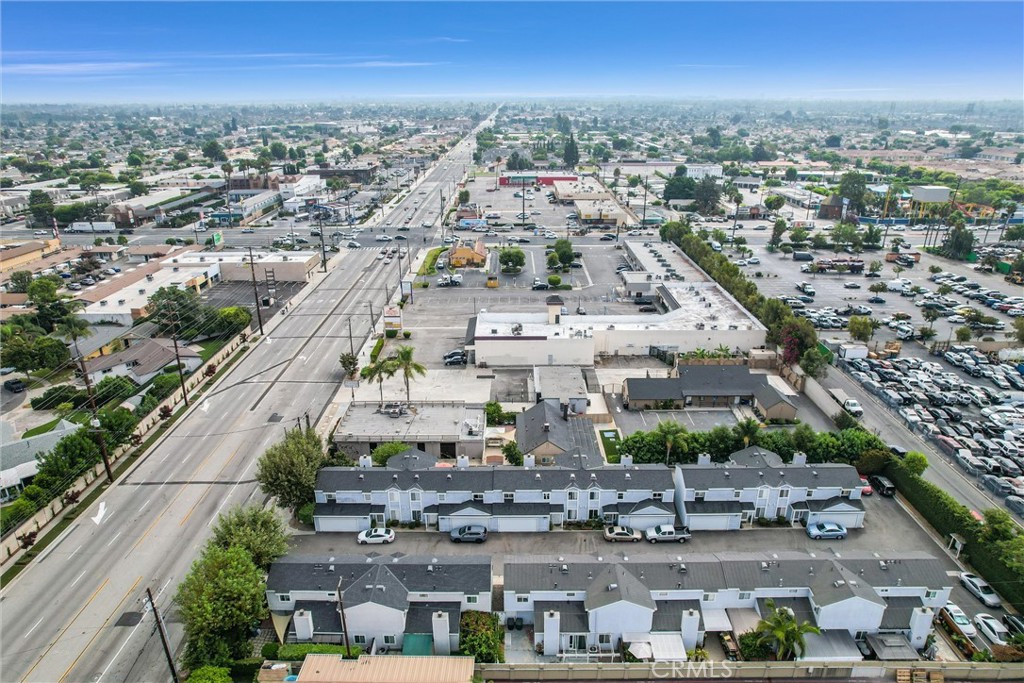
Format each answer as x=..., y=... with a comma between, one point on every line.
x=376, y=350
x=245, y=669
x=298, y=652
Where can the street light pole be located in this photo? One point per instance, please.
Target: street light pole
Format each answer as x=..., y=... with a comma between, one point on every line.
x=255, y=291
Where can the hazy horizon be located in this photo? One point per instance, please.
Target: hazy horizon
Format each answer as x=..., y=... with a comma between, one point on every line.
x=237, y=53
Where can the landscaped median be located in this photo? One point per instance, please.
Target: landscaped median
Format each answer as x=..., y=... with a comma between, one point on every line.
x=430, y=262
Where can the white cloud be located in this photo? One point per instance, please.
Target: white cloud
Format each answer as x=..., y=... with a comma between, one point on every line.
x=76, y=68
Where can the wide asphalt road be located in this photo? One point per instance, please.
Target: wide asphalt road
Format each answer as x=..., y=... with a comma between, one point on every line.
x=79, y=612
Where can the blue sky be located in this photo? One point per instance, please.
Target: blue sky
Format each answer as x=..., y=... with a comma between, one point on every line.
x=286, y=51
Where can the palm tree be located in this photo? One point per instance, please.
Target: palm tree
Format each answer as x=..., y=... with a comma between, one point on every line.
x=378, y=371
x=72, y=329
x=780, y=630
x=672, y=434
x=749, y=430
x=405, y=364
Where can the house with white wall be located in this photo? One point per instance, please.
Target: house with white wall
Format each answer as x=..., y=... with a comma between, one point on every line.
x=383, y=599
x=756, y=484
x=589, y=604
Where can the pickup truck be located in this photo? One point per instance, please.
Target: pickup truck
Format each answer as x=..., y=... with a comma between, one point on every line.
x=667, y=533
x=850, y=405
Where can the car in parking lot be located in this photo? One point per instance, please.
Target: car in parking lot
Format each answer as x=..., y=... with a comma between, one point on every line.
x=876, y=300
x=826, y=530
x=1016, y=505
x=15, y=386
x=540, y=286
x=471, y=533
x=376, y=536
x=1014, y=623
x=980, y=589
x=851, y=285
x=455, y=360
x=622, y=533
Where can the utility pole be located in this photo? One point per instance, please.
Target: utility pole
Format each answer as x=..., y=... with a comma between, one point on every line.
x=323, y=247
x=307, y=420
x=351, y=344
x=95, y=421
x=163, y=636
x=181, y=375
x=255, y=291
x=344, y=624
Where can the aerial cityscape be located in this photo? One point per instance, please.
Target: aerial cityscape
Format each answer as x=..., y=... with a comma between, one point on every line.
x=709, y=341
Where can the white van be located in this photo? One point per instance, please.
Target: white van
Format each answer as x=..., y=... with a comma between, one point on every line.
x=715, y=246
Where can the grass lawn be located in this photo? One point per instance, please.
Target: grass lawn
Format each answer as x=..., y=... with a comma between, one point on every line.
x=47, y=378
x=41, y=429
x=210, y=347
x=610, y=442
x=428, y=263
x=80, y=416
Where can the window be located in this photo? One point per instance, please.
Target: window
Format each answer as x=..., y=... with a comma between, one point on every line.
x=366, y=497
x=574, y=495
x=389, y=640
x=709, y=597
x=414, y=496
x=931, y=595
x=744, y=596
x=699, y=495
x=620, y=496
x=509, y=497
x=393, y=496
x=547, y=496
x=736, y=495
x=442, y=497
x=658, y=495
x=359, y=640
x=522, y=599
x=571, y=515
x=284, y=597
x=472, y=599
x=329, y=497
x=762, y=493
x=605, y=639
x=595, y=495
x=571, y=594
x=845, y=493
x=478, y=497
x=784, y=494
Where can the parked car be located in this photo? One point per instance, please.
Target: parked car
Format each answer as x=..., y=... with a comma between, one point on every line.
x=667, y=533
x=980, y=589
x=1014, y=623
x=472, y=533
x=15, y=386
x=991, y=628
x=826, y=530
x=376, y=536
x=621, y=533
x=1016, y=504
x=455, y=360
x=955, y=616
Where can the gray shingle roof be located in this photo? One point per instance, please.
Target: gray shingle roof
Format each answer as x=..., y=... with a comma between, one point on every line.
x=696, y=380
x=148, y=355
x=713, y=507
x=572, y=616
x=631, y=508
x=19, y=451
x=898, y=611
x=420, y=617
x=615, y=584
x=834, y=503
x=530, y=431
x=345, y=509
x=769, y=396
x=325, y=615
x=669, y=614
x=378, y=585
x=704, y=477
x=418, y=573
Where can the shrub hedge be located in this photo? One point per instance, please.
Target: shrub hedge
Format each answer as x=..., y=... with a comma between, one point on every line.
x=298, y=652
x=376, y=350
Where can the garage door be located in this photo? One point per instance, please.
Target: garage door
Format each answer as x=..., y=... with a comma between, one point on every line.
x=449, y=522
x=519, y=523
x=341, y=523
x=713, y=522
x=851, y=520
x=644, y=522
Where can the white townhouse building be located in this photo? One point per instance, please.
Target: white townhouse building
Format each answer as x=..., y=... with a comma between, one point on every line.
x=593, y=604
x=385, y=599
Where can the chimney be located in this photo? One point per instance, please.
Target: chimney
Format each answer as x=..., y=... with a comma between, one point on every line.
x=625, y=459
x=302, y=620
x=703, y=458
x=565, y=411
x=365, y=461
x=441, y=633
x=552, y=633
x=547, y=427
x=799, y=458
x=529, y=460
x=462, y=462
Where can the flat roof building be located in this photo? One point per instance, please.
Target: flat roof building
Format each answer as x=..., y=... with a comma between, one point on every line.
x=233, y=266
x=128, y=300
x=444, y=429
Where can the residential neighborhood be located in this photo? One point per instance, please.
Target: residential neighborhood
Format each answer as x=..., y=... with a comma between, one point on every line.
x=404, y=359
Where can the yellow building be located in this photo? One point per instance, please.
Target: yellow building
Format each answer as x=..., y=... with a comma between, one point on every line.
x=463, y=255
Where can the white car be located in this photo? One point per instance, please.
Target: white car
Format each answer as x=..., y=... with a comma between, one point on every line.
x=753, y=261
x=980, y=589
x=376, y=536
x=40, y=233
x=741, y=262
x=958, y=617
x=993, y=630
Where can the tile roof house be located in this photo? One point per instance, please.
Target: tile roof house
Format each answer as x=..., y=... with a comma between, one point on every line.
x=142, y=361
x=592, y=604
x=384, y=598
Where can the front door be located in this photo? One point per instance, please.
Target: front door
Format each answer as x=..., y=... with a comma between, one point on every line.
x=376, y=519
x=578, y=642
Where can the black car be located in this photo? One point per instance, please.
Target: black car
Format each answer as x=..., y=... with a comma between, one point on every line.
x=607, y=238
x=648, y=309
x=455, y=360
x=876, y=300
x=15, y=386
x=540, y=285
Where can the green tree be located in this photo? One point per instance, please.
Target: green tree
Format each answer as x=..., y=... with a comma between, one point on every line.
x=65, y=462
x=42, y=290
x=349, y=363
x=210, y=674
x=378, y=371
x=778, y=230
x=672, y=436
x=357, y=149
x=748, y=431
x=288, y=469
x=481, y=637
x=19, y=281
x=916, y=463
x=463, y=197
x=833, y=141
x=384, y=451
x=780, y=631
x=790, y=174
x=18, y=353
x=181, y=156
x=813, y=363
x=138, y=188
x=774, y=202
x=853, y=186
x=218, y=601
x=706, y=196
x=563, y=249
x=513, y=455
x=40, y=206
x=117, y=425
x=553, y=262
x=231, y=320
x=279, y=150
x=49, y=353
x=571, y=153
x=861, y=328
x=679, y=187
x=1017, y=331
x=512, y=259
x=408, y=367
x=930, y=315
x=258, y=531
x=964, y=334
x=959, y=242
x=73, y=328
x=176, y=310
x=214, y=151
